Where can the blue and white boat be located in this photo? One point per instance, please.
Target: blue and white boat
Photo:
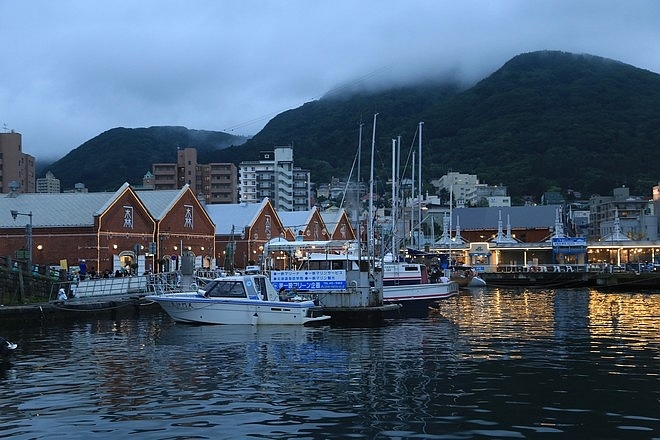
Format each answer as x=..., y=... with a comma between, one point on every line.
x=238, y=299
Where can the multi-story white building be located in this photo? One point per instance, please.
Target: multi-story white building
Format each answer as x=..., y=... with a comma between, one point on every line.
x=460, y=185
x=48, y=184
x=467, y=191
x=274, y=176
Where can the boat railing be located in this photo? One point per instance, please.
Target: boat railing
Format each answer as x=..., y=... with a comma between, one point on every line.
x=166, y=282
x=139, y=285
x=95, y=287
x=549, y=268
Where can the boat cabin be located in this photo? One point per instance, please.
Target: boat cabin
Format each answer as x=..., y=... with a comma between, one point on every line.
x=254, y=288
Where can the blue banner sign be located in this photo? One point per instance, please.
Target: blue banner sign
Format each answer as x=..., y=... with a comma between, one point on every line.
x=569, y=241
x=309, y=279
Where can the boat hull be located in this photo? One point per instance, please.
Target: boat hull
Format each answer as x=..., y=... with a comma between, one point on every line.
x=476, y=282
x=469, y=281
x=191, y=308
x=419, y=292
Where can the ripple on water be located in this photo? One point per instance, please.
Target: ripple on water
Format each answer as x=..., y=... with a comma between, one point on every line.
x=499, y=364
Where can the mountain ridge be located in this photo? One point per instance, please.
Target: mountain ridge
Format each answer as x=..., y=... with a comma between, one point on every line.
x=544, y=120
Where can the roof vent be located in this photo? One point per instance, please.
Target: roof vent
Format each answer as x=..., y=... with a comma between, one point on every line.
x=13, y=188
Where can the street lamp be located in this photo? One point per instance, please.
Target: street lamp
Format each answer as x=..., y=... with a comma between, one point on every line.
x=28, y=232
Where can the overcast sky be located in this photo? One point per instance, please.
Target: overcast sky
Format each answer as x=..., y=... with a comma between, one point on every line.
x=73, y=69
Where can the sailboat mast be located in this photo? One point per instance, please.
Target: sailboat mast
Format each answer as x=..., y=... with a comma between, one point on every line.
x=359, y=187
x=451, y=204
x=412, y=206
x=394, y=201
x=399, y=212
x=370, y=226
x=419, y=185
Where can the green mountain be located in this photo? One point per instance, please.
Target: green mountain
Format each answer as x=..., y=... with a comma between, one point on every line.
x=544, y=120
x=120, y=155
x=552, y=119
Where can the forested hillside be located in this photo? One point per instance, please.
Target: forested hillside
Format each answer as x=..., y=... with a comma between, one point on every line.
x=544, y=120
x=121, y=155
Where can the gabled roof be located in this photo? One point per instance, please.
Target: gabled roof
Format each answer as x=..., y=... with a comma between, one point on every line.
x=296, y=220
x=520, y=217
x=331, y=219
x=236, y=215
x=160, y=202
x=78, y=209
x=54, y=209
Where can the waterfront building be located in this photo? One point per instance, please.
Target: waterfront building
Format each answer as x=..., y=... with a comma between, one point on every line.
x=338, y=224
x=533, y=237
x=304, y=225
x=242, y=231
x=276, y=177
x=17, y=169
x=142, y=230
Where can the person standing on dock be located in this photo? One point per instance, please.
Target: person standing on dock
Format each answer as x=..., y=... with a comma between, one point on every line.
x=83, y=270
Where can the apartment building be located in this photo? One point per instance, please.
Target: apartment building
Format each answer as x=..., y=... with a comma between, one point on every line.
x=17, y=169
x=460, y=185
x=467, y=191
x=275, y=176
x=215, y=182
x=633, y=216
x=48, y=184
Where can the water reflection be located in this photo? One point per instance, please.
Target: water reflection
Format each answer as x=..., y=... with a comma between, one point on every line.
x=489, y=363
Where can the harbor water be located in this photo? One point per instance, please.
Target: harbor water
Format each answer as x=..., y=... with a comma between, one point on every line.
x=488, y=363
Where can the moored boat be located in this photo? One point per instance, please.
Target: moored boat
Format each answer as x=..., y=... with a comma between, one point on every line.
x=466, y=277
x=348, y=287
x=239, y=299
x=409, y=283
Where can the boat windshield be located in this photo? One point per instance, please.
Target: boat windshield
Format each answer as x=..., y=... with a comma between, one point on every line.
x=261, y=288
x=225, y=289
x=327, y=265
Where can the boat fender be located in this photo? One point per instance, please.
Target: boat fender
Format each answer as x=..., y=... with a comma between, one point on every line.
x=255, y=318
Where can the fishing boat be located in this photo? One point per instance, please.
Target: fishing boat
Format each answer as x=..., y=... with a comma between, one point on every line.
x=408, y=283
x=247, y=299
x=348, y=287
x=347, y=284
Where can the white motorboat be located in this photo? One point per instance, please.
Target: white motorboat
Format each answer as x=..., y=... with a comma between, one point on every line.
x=409, y=282
x=239, y=299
